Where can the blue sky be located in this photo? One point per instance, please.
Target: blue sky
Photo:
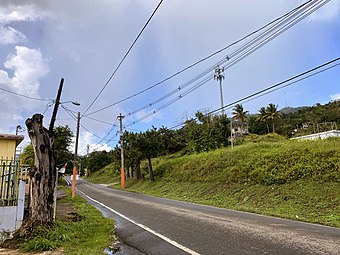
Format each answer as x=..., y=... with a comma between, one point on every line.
x=82, y=41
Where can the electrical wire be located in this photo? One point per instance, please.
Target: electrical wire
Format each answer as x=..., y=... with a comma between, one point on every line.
x=286, y=21
x=201, y=60
x=256, y=43
x=25, y=96
x=275, y=87
x=75, y=118
x=101, y=121
x=272, y=32
x=126, y=54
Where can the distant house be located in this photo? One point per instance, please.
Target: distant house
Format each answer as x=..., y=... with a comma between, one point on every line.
x=8, y=145
x=322, y=135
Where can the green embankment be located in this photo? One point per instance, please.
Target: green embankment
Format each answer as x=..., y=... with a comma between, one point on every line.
x=291, y=179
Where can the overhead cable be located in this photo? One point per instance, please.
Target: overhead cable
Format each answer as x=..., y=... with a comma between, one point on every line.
x=201, y=60
x=121, y=62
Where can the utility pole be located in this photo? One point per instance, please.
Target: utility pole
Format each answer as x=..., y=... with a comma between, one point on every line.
x=219, y=76
x=75, y=167
x=122, y=180
x=56, y=105
x=87, y=158
x=231, y=131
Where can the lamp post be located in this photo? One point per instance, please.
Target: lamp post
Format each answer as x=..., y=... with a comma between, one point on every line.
x=18, y=127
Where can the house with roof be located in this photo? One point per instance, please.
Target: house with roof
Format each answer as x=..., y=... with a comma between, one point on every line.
x=8, y=145
x=12, y=188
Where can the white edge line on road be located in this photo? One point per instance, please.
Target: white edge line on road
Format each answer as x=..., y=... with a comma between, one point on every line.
x=172, y=242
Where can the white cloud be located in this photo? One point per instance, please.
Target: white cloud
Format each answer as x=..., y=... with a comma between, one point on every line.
x=8, y=35
x=11, y=14
x=100, y=147
x=335, y=96
x=86, y=138
x=25, y=68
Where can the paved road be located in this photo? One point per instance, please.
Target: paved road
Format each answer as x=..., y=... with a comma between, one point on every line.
x=161, y=226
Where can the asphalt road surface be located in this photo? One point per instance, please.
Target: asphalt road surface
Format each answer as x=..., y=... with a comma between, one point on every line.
x=150, y=225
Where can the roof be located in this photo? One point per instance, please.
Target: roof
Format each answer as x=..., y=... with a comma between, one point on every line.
x=17, y=138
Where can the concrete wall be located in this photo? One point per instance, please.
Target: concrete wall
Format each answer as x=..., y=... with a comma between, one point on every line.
x=11, y=216
x=323, y=135
x=7, y=149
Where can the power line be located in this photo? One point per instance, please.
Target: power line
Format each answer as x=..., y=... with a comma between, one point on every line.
x=126, y=54
x=272, y=88
x=201, y=60
x=25, y=96
x=256, y=43
x=75, y=118
x=101, y=121
x=236, y=56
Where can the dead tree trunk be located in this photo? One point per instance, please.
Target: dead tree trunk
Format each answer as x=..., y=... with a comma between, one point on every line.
x=42, y=176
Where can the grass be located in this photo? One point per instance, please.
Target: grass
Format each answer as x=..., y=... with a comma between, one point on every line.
x=303, y=200
x=108, y=174
x=91, y=233
x=290, y=179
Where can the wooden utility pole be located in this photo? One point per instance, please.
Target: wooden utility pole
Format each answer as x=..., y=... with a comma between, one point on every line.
x=122, y=177
x=75, y=166
x=56, y=105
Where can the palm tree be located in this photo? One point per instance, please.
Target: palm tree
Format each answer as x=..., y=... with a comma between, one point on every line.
x=263, y=117
x=240, y=114
x=272, y=114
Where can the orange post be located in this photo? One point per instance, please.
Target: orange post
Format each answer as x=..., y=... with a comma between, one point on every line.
x=75, y=171
x=122, y=181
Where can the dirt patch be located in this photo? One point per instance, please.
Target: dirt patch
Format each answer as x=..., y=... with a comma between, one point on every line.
x=66, y=213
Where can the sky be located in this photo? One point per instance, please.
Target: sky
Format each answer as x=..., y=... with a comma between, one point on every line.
x=83, y=42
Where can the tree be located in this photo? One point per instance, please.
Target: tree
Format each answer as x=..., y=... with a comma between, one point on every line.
x=240, y=114
x=149, y=145
x=27, y=156
x=62, y=143
x=133, y=153
x=98, y=159
x=263, y=117
x=42, y=176
x=272, y=114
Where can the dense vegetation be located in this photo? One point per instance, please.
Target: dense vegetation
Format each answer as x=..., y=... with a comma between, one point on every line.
x=208, y=132
x=265, y=174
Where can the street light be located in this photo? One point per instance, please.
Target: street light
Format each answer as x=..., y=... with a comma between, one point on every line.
x=73, y=102
x=18, y=129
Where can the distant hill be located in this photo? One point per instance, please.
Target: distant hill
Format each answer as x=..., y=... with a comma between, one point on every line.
x=288, y=110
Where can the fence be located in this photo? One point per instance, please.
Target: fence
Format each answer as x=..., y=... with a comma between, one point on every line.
x=9, y=179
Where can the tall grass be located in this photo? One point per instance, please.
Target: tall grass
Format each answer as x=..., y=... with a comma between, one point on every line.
x=291, y=179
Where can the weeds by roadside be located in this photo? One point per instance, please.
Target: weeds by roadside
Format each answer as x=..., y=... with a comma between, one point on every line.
x=79, y=229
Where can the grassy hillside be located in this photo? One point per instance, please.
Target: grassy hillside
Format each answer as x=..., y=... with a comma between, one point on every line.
x=292, y=179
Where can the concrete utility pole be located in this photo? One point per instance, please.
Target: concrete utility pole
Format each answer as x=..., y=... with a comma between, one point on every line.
x=231, y=131
x=122, y=180
x=219, y=76
x=75, y=167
